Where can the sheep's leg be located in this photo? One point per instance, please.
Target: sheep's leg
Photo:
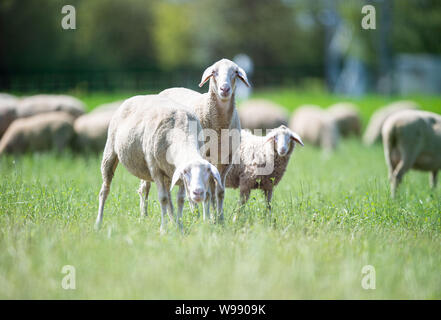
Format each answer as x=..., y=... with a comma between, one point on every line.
x=163, y=195
x=269, y=196
x=144, y=189
x=181, y=200
x=220, y=194
x=108, y=167
x=406, y=162
x=244, y=196
x=206, y=206
x=433, y=178
x=213, y=194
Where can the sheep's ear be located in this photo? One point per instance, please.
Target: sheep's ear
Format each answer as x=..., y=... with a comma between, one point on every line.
x=216, y=176
x=270, y=137
x=243, y=76
x=208, y=73
x=296, y=138
x=176, y=177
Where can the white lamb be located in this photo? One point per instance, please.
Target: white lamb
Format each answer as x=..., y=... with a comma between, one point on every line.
x=412, y=140
x=263, y=161
x=216, y=111
x=157, y=141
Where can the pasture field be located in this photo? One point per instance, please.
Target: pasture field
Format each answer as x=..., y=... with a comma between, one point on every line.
x=331, y=216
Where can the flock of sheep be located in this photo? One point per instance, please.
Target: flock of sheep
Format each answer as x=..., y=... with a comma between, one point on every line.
x=163, y=138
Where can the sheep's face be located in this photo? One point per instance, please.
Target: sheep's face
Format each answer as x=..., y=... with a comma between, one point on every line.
x=196, y=176
x=283, y=138
x=223, y=75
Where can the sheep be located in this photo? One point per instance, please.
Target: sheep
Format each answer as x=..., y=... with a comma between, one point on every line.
x=8, y=112
x=217, y=113
x=157, y=141
x=412, y=140
x=261, y=114
x=43, y=103
x=38, y=133
x=373, y=130
x=91, y=128
x=347, y=118
x=263, y=162
x=315, y=126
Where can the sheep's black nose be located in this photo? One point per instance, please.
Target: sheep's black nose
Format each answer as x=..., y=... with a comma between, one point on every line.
x=198, y=192
x=225, y=89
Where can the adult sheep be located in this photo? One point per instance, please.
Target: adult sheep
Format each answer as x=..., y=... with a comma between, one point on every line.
x=412, y=140
x=217, y=113
x=373, y=129
x=91, y=128
x=262, y=114
x=315, y=126
x=157, y=141
x=53, y=130
x=347, y=118
x=42, y=103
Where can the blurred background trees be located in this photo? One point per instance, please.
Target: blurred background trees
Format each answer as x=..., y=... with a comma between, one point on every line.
x=151, y=44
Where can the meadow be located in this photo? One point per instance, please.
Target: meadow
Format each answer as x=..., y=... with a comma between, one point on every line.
x=332, y=215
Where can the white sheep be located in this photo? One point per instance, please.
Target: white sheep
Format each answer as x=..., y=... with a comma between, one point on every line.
x=263, y=161
x=412, y=139
x=91, y=128
x=8, y=111
x=38, y=133
x=316, y=126
x=347, y=118
x=373, y=129
x=42, y=103
x=216, y=111
x=157, y=141
x=262, y=114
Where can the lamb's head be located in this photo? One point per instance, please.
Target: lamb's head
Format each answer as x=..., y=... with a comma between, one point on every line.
x=223, y=75
x=284, y=140
x=195, y=176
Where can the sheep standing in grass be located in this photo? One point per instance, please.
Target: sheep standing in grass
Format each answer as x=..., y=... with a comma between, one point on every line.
x=263, y=162
x=315, y=126
x=157, y=141
x=91, y=128
x=347, y=118
x=412, y=140
x=262, y=114
x=216, y=111
x=43, y=103
x=373, y=129
x=38, y=133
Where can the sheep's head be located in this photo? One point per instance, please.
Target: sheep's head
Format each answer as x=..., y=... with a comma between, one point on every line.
x=195, y=177
x=283, y=138
x=223, y=75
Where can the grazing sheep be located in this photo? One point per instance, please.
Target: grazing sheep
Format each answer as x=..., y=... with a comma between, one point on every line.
x=412, y=140
x=43, y=103
x=8, y=112
x=263, y=162
x=91, y=128
x=347, y=118
x=315, y=126
x=216, y=111
x=373, y=130
x=157, y=141
x=262, y=114
x=38, y=133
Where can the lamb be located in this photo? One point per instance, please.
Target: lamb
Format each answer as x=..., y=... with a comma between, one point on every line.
x=373, y=131
x=412, y=139
x=43, y=103
x=315, y=126
x=347, y=118
x=262, y=114
x=8, y=111
x=158, y=141
x=263, y=162
x=217, y=113
x=91, y=128
x=38, y=133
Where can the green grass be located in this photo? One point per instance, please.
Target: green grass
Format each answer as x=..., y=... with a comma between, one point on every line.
x=331, y=216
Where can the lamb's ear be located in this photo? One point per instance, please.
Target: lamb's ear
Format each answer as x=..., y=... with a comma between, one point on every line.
x=296, y=138
x=176, y=176
x=216, y=176
x=208, y=73
x=243, y=76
